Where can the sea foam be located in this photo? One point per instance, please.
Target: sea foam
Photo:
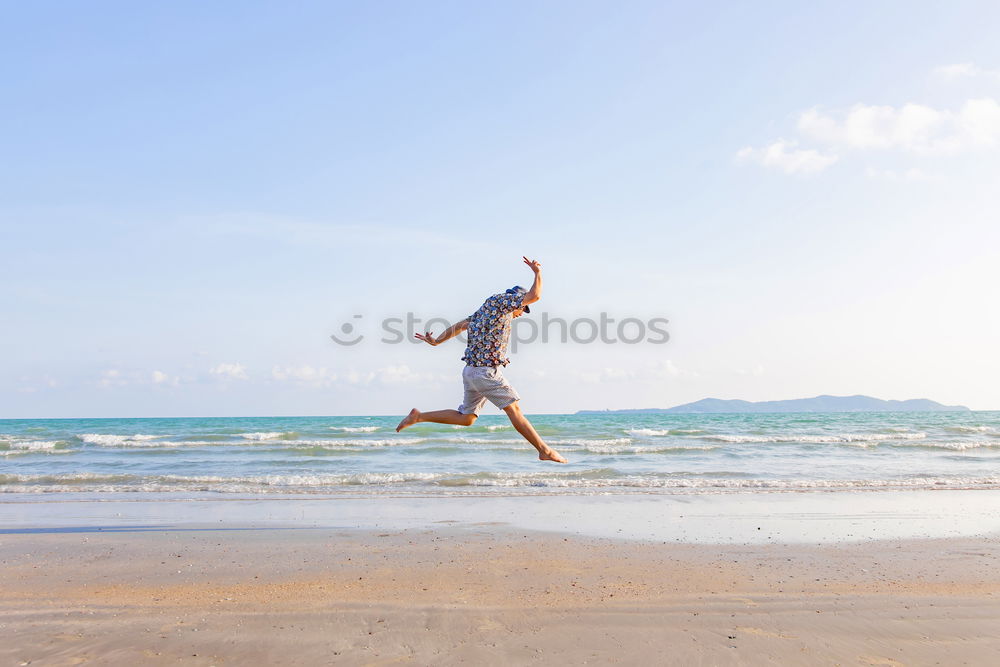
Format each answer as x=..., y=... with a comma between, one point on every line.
x=112, y=440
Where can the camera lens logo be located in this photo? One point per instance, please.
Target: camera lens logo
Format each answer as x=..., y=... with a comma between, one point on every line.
x=347, y=329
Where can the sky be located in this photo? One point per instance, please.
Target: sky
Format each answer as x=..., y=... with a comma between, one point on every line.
x=195, y=196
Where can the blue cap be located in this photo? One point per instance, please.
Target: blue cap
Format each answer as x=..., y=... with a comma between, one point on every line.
x=517, y=289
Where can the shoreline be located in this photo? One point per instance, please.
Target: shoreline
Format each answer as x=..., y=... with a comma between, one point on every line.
x=727, y=518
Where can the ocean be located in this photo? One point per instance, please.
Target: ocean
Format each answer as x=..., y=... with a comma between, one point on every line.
x=609, y=454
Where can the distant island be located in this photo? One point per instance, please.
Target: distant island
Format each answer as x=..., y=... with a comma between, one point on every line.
x=816, y=404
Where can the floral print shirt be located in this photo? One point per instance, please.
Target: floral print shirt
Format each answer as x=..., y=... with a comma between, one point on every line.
x=489, y=330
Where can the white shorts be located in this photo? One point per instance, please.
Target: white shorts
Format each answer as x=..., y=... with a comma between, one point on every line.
x=485, y=382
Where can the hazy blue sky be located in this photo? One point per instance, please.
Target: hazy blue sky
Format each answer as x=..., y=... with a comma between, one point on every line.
x=194, y=196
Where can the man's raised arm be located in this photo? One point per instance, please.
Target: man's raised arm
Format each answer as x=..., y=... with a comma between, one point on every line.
x=450, y=332
x=535, y=293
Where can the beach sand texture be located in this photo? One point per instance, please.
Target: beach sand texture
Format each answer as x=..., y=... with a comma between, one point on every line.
x=488, y=595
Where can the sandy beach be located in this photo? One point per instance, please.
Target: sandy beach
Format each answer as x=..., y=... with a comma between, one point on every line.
x=484, y=593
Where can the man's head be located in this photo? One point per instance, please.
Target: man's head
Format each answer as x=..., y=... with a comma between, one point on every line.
x=517, y=312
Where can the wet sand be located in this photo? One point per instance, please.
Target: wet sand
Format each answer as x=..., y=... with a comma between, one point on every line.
x=485, y=594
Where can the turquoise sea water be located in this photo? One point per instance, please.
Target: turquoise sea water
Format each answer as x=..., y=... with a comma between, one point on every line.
x=615, y=454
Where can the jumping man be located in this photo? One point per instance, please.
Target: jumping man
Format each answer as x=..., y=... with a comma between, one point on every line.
x=485, y=357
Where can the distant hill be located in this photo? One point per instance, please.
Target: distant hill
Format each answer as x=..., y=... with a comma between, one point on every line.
x=816, y=404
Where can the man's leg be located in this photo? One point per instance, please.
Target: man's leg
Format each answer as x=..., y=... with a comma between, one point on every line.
x=524, y=427
x=438, y=417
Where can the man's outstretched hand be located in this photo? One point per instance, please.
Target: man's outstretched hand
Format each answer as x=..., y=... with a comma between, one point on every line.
x=427, y=338
x=535, y=265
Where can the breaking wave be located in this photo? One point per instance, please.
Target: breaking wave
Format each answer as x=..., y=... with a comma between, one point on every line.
x=602, y=479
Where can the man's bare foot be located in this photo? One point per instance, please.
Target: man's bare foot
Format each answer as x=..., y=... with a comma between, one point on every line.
x=551, y=455
x=409, y=420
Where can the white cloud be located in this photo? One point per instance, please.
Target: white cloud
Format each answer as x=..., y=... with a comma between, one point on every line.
x=602, y=375
x=825, y=136
x=666, y=368
x=33, y=385
x=356, y=377
x=965, y=71
x=657, y=371
x=114, y=377
x=308, y=375
x=111, y=377
x=323, y=377
x=394, y=375
x=230, y=371
x=161, y=378
x=980, y=121
x=910, y=128
x=785, y=156
x=402, y=375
